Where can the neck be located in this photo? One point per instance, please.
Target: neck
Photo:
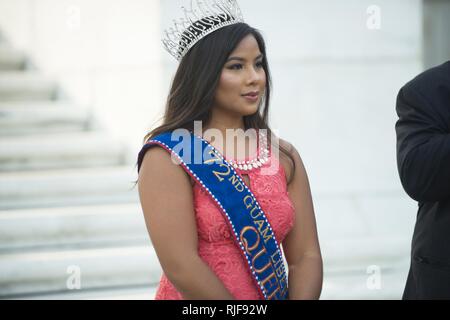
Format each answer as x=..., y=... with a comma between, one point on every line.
x=223, y=121
x=246, y=144
x=223, y=126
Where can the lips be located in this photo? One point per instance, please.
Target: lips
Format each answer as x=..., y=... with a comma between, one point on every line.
x=251, y=94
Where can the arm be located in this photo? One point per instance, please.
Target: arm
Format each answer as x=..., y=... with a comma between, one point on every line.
x=301, y=245
x=165, y=193
x=423, y=147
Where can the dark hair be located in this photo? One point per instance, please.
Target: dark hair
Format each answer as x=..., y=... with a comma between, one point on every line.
x=197, y=78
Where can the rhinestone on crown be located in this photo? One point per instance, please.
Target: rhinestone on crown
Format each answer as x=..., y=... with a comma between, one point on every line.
x=203, y=18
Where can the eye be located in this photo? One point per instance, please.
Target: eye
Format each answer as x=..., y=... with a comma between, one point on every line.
x=260, y=64
x=236, y=66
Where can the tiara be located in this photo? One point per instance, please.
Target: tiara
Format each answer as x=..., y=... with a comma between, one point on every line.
x=200, y=20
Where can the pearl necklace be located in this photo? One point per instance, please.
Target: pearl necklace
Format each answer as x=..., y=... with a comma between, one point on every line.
x=260, y=160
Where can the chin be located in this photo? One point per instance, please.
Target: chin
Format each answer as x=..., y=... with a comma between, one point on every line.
x=249, y=111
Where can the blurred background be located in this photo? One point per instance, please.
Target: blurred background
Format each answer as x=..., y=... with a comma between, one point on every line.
x=82, y=82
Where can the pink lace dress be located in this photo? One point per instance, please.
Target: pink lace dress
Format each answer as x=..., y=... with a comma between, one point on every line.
x=215, y=243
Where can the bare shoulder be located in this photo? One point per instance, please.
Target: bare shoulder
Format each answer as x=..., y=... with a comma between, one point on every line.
x=285, y=144
x=157, y=168
x=291, y=163
x=158, y=160
x=167, y=203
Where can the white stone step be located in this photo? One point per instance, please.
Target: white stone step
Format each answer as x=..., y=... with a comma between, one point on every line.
x=343, y=254
x=21, y=118
x=70, y=187
x=26, y=85
x=361, y=285
x=343, y=287
x=31, y=273
x=346, y=265
x=122, y=293
x=83, y=226
x=53, y=151
x=54, y=271
x=11, y=59
x=45, y=272
x=352, y=266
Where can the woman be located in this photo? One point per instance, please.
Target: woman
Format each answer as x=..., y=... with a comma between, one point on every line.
x=223, y=81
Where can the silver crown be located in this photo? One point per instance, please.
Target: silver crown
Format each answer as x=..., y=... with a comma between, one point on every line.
x=200, y=20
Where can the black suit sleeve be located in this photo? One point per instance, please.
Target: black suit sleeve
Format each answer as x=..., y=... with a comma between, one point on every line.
x=423, y=143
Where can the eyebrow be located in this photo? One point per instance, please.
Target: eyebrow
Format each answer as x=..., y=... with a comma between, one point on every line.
x=242, y=59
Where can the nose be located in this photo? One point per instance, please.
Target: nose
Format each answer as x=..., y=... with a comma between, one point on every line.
x=254, y=75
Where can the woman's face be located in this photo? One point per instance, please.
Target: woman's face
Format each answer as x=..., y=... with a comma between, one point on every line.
x=243, y=73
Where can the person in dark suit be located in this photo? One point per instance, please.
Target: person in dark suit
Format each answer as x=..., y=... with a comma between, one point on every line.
x=423, y=159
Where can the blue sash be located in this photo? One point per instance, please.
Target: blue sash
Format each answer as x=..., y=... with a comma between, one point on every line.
x=250, y=228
